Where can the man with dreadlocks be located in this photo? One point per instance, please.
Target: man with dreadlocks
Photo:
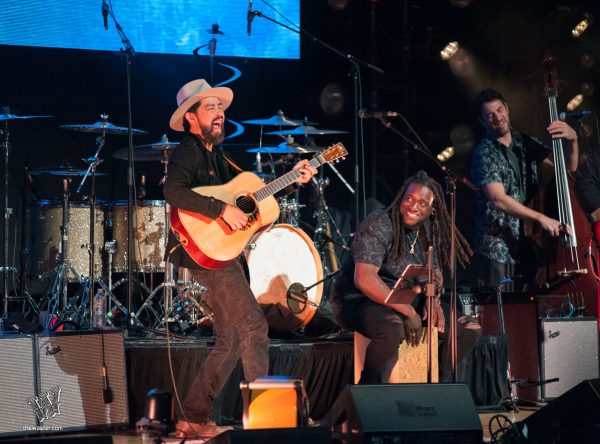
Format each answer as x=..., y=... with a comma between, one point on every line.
x=386, y=242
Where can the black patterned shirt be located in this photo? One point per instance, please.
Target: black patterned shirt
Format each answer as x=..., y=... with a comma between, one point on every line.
x=371, y=246
x=497, y=233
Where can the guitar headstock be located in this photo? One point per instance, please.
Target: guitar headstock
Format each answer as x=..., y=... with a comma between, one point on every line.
x=334, y=152
x=550, y=75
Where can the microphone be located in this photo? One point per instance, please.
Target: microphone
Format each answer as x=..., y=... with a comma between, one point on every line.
x=105, y=14
x=573, y=114
x=250, y=17
x=366, y=113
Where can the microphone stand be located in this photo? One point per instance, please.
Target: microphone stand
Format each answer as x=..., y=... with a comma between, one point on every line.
x=129, y=53
x=355, y=62
x=451, y=180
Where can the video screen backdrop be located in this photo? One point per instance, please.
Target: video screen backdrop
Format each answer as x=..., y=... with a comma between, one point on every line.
x=153, y=26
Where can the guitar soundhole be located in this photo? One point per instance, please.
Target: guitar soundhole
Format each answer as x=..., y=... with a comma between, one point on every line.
x=246, y=204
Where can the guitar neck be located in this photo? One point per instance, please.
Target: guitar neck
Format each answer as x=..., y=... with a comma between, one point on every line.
x=281, y=182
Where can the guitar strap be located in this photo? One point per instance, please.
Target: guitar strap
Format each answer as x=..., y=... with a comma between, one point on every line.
x=232, y=163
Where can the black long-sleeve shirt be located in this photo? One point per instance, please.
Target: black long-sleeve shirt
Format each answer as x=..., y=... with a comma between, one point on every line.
x=587, y=183
x=192, y=165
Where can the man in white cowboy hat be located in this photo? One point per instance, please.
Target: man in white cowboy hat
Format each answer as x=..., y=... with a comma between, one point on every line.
x=239, y=323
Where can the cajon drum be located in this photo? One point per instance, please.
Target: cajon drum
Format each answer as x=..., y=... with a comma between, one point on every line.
x=412, y=361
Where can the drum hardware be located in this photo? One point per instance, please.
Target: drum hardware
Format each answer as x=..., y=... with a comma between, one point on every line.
x=58, y=294
x=290, y=210
x=322, y=233
x=6, y=116
x=285, y=148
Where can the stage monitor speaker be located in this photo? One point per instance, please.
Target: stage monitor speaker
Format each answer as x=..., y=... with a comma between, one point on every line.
x=574, y=417
x=569, y=352
x=424, y=413
x=17, y=384
x=298, y=435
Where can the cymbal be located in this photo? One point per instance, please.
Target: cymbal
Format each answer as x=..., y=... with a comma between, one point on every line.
x=103, y=127
x=306, y=131
x=146, y=153
x=278, y=119
x=285, y=148
x=63, y=170
x=8, y=116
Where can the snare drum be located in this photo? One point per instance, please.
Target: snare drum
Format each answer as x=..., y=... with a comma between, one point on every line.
x=45, y=219
x=149, y=236
x=280, y=257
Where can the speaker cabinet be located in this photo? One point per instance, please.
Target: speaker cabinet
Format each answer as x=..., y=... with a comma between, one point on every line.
x=299, y=435
x=573, y=417
x=521, y=325
x=569, y=352
x=56, y=382
x=17, y=383
x=424, y=413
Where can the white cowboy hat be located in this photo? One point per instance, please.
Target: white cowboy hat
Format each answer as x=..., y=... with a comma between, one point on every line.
x=193, y=92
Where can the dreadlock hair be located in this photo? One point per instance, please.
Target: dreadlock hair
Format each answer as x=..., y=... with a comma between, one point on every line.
x=439, y=224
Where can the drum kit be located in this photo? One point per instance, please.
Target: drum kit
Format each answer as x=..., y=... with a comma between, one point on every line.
x=84, y=243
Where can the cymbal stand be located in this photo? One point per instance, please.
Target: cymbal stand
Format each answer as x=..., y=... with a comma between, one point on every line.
x=93, y=162
x=322, y=232
x=59, y=298
x=7, y=213
x=512, y=400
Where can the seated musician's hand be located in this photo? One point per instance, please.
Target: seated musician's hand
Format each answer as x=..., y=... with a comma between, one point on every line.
x=234, y=217
x=412, y=329
x=306, y=169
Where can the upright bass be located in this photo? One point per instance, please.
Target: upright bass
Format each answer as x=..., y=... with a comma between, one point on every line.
x=563, y=272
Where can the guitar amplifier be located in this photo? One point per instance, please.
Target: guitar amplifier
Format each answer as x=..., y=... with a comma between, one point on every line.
x=568, y=351
x=17, y=383
x=55, y=383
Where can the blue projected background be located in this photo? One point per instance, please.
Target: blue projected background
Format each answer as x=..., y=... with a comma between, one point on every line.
x=154, y=26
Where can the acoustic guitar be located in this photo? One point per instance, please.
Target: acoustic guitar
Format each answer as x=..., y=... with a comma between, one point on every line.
x=211, y=243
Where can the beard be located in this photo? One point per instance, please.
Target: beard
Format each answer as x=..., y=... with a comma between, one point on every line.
x=211, y=136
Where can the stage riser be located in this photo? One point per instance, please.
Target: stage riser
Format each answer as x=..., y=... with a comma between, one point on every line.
x=54, y=383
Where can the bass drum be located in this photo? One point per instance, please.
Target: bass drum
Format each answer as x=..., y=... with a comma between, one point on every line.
x=45, y=219
x=282, y=256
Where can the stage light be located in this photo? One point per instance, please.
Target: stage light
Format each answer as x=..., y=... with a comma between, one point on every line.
x=449, y=50
x=575, y=102
x=332, y=99
x=583, y=25
x=587, y=60
x=338, y=5
x=461, y=3
x=274, y=402
x=446, y=154
x=587, y=89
